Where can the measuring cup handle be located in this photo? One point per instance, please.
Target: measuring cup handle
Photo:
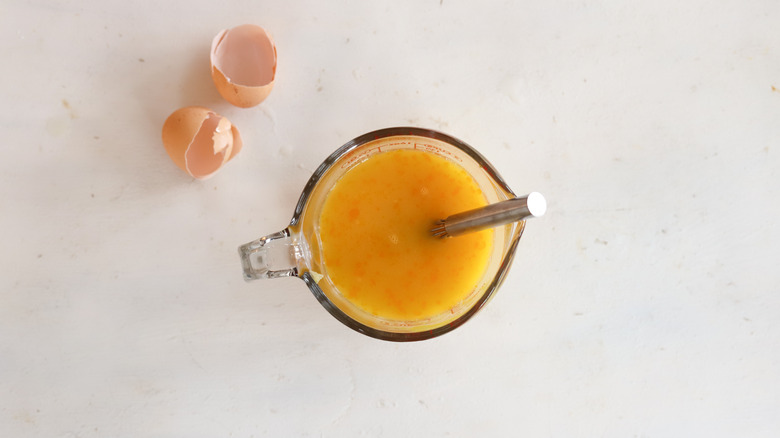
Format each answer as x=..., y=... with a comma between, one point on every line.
x=271, y=256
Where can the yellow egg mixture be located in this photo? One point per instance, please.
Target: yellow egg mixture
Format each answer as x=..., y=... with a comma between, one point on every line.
x=378, y=250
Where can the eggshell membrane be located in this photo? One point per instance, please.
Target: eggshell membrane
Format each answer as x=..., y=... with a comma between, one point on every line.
x=200, y=141
x=243, y=64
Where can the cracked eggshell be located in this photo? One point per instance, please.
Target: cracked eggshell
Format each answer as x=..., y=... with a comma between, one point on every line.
x=199, y=140
x=243, y=64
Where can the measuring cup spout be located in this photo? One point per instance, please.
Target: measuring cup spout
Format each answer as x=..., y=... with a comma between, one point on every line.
x=272, y=256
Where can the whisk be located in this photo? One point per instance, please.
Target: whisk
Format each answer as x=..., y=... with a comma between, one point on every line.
x=493, y=215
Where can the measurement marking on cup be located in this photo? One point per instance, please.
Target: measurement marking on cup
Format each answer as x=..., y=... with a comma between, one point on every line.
x=353, y=159
x=427, y=147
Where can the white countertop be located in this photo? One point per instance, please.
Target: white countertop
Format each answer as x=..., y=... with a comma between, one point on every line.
x=644, y=304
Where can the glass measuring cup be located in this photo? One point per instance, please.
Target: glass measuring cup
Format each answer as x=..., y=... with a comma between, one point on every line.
x=296, y=251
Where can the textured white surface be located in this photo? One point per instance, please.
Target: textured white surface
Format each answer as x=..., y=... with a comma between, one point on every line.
x=644, y=304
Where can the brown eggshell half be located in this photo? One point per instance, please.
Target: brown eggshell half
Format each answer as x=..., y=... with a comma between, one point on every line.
x=199, y=140
x=243, y=64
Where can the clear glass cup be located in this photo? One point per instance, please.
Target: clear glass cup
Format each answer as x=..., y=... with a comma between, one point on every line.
x=296, y=250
